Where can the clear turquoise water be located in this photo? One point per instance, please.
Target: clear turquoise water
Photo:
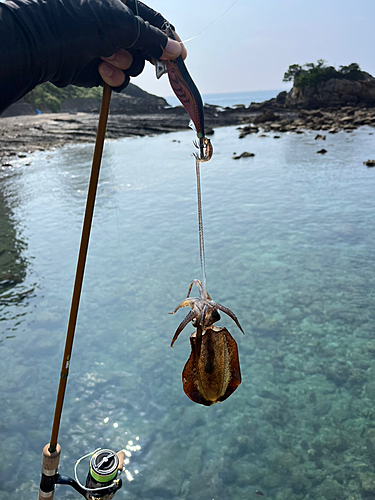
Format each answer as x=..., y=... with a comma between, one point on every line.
x=290, y=248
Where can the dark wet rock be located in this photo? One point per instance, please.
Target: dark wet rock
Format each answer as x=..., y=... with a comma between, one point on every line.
x=281, y=96
x=322, y=151
x=245, y=154
x=276, y=137
x=267, y=116
x=320, y=137
x=248, y=129
x=369, y=163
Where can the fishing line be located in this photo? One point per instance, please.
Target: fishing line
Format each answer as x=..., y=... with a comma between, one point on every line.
x=212, y=23
x=200, y=224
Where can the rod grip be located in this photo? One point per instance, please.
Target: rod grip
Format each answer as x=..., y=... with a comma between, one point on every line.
x=50, y=465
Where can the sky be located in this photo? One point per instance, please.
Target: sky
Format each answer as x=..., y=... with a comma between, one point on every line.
x=253, y=44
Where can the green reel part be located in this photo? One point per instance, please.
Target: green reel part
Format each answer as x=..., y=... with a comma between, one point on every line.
x=104, y=466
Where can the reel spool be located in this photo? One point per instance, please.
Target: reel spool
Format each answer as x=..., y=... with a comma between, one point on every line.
x=104, y=466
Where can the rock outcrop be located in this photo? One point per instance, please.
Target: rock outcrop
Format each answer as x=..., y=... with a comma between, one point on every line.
x=336, y=92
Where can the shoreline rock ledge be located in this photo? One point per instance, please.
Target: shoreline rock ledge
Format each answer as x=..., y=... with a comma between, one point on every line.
x=334, y=105
x=333, y=93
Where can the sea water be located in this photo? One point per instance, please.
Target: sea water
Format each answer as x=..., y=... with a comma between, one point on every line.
x=230, y=99
x=290, y=248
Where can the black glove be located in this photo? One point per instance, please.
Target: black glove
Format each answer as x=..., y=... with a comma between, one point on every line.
x=61, y=41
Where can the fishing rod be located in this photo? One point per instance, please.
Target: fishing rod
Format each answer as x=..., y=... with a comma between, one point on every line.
x=105, y=465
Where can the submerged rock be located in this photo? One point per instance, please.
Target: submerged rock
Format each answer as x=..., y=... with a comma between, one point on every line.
x=367, y=484
x=248, y=129
x=245, y=154
x=331, y=490
x=338, y=372
x=370, y=443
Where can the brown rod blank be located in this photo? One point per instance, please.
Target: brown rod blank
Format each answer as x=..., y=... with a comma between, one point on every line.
x=91, y=195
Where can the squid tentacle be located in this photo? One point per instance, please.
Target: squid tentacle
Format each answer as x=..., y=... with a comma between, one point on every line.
x=185, y=303
x=182, y=325
x=227, y=311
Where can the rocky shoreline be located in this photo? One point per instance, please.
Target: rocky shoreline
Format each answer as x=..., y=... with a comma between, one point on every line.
x=23, y=134
x=28, y=133
x=331, y=120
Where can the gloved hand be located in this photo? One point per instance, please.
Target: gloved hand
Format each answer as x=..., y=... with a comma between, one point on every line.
x=63, y=41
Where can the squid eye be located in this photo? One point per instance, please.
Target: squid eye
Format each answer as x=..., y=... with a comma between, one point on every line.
x=212, y=317
x=215, y=316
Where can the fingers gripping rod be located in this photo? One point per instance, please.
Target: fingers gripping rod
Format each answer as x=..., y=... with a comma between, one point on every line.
x=51, y=452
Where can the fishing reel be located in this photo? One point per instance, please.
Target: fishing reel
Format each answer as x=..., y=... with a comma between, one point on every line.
x=103, y=474
x=102, y=479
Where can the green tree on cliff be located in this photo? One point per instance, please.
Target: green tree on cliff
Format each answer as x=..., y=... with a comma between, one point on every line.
x=311, y=74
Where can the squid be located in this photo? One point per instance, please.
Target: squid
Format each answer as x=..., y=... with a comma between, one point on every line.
x=212, y=372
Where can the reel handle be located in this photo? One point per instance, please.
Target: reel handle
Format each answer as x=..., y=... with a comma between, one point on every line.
x=121, y=458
